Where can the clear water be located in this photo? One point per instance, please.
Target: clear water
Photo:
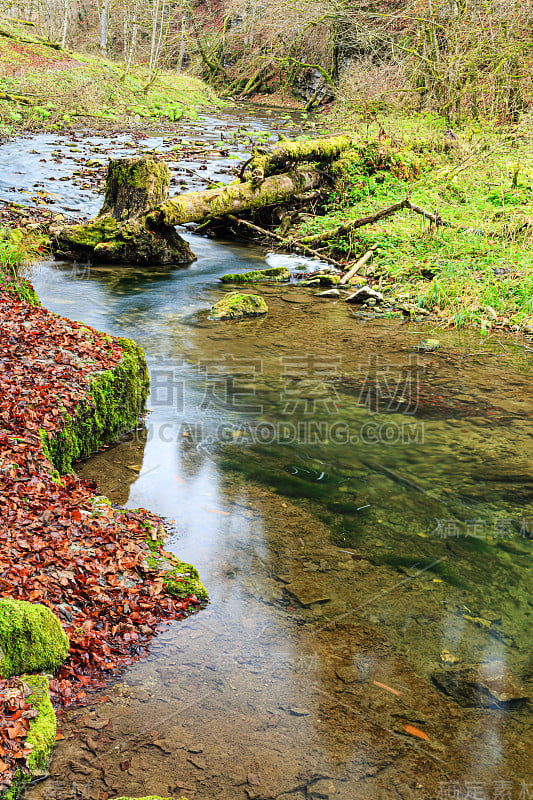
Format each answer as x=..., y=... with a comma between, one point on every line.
x=361, y=512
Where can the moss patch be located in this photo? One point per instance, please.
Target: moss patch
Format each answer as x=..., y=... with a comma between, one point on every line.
x=181, y=579
x=274, y=274
x=235, y=305
x=117, y=398
x=41, y=735
x=31, y=638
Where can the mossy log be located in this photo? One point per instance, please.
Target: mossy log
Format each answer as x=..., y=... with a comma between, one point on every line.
x=236, y=197
x=122, y=231
x=287, y=153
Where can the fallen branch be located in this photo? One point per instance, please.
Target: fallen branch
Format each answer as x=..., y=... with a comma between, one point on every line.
x=436, y=219
x=16, y=98
x=286, y=243
x=8, y=35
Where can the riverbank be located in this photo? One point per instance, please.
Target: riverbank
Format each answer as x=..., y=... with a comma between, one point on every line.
x=475, y=266
x=43, y=87
x=67, y=391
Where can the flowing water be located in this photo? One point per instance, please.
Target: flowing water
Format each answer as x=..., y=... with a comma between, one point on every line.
x=360, y=510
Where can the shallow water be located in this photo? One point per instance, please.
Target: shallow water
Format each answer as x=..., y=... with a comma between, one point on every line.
x=360, y=510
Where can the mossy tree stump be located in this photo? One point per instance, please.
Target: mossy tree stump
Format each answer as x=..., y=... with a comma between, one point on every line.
x=122, y=231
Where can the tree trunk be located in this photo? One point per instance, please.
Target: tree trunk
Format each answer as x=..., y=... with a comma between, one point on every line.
x=104, y=19
x=122, y=231
x=235, y=197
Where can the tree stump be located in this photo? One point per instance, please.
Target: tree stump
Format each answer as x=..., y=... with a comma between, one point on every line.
x=122, y=231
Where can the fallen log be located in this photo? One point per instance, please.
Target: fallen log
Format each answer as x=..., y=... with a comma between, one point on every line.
x=235, y=197
x=288, y=153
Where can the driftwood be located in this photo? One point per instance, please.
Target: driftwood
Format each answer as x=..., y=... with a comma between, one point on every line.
x=358, y=265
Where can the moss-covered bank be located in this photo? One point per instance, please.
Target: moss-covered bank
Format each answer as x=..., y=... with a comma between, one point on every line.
x=116, y=400
x=41, y=735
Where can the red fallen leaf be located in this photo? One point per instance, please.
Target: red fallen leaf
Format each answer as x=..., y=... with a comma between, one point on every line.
x=124, y=765
x=408, y=728
x=59, y=736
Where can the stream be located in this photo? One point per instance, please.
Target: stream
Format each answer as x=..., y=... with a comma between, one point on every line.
x=360, y=510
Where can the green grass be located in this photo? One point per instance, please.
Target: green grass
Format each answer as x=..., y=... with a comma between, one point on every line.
x=479, y=271
x=64, y=87
x=17, y=251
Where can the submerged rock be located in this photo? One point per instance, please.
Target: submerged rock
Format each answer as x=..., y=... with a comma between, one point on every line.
x=364, y=294
x=428, y=345
x=490, y=684
x=235, y=305
x=277, y=274
x=31, y=638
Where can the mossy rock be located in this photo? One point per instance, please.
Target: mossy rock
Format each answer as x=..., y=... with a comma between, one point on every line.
x=236, y=305
x=41, y=735
x=277, y=274
x=329, y=280
x=181, y=579
x=116, y=400
x=31, y=638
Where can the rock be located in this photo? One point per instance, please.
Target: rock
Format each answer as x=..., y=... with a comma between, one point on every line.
x=31, y=638
x=277, y=274
x=306, y=591
x=448, y=658
x=329, y=293
x=181, y=579
x=490, y=684
x=321, y=790
x=94, y=162
x=364, y=294
x=350, y=674
x=328, y=280
x=429, y=345
x=236, y=305
x=297, y=711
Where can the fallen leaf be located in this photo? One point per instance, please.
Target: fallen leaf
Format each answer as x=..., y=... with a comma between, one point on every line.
x=416, y=732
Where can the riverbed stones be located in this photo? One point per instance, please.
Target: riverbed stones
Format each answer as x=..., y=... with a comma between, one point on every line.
x=31, y=638
x=491, y=684
x=236, y=305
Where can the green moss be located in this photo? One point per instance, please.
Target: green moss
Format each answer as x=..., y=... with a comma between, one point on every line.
x=274, y=274
x=116, y=400
x=41, y=735
x=182, y=579
x=235, y=305
x=329, y=280
x=31, y=638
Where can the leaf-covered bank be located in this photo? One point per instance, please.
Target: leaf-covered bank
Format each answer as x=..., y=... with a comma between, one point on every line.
x=64, y=546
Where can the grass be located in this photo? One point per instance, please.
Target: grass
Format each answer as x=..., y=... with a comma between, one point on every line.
x=17, y=251
x=478, y=271
x=63, y=87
